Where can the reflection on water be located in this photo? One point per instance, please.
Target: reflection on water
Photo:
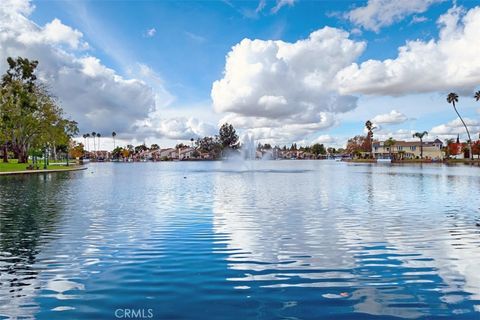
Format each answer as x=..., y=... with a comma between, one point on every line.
x=267, y=240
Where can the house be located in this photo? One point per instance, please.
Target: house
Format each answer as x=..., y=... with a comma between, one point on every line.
x=409, y=150
x=100, y=155
x=186, y=153
x=169, y=153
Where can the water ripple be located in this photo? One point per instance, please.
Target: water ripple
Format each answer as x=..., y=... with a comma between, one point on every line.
x=264, y=240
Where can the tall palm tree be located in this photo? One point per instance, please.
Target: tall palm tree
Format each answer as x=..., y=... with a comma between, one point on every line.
x=84, y=139
x=94, y=134
x=420, y=136
x=370, y=127
x=88, y=141
x=477, y=96
x=453, y=98
x=113, y=136
x=98, y=136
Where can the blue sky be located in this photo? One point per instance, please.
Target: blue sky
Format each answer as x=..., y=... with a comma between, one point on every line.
x=178, y=50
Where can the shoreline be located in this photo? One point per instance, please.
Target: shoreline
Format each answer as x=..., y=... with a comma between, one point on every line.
x=417, y=161
x=74, y=168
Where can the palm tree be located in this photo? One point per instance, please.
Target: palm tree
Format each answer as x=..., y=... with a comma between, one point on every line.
x=94, y=134
x=370, y=127
x=98, y=136
x=477, y=96
x=420, y=136
x=453, y=98
x=88, y=141
x=84, y=139
x=113, y=136
x=389, y=144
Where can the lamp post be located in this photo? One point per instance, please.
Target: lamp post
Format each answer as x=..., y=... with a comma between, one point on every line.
x=45, y=158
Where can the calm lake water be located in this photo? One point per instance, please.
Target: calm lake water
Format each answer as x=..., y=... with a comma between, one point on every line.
x=256, y=240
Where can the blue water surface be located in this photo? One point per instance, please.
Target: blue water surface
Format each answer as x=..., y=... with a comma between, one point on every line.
x=241, y=240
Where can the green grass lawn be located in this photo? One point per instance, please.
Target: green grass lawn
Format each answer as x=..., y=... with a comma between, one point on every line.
x=12, y=165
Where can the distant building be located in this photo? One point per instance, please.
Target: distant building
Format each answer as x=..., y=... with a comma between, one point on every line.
x=186, y=153
x=409, y=150
x=169, y=153
x=100, y=155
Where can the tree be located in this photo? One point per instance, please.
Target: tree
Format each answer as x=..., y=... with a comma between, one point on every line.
x=420, y=136
x=389, y=143
x=369, y=126
x=141, y=148
x=88, y=141
x=357, y=145
x=76, y=150
x=476, y=148
x=477, y=96
x=318, y=149
x=94, y=134
x=30, y=116
x=117, y=152
x=114, y=134
x=126, y=152
x=453, y=98
x=228, y=136
x=98, y=136
x=448, y=142
x=154, y=147
x=210, y=145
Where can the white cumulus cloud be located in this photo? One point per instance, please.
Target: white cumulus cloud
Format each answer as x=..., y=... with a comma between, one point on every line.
x=176, y=128
x=324, y=139
x=96, y=96
x=382, y=13
x=455, y=127
x=450, y=63
x=393, y=117
x=280, y=89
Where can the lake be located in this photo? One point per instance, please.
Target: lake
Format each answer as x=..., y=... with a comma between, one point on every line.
x=241, y=240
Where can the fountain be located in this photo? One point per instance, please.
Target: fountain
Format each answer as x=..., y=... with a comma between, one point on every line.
x=249, y=148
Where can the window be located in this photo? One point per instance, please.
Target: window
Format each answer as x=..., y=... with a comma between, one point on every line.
x=399, y=148
x=413, y=148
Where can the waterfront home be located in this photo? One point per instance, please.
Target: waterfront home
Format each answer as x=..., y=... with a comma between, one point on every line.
x=169, y=153
x=409, y=150
x=100, y=155
x=186, y=153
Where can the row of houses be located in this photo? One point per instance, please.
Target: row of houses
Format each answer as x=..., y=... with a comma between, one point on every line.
x=409, y=150
x=187, y=153
x=434, y=150
x=278, y=153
